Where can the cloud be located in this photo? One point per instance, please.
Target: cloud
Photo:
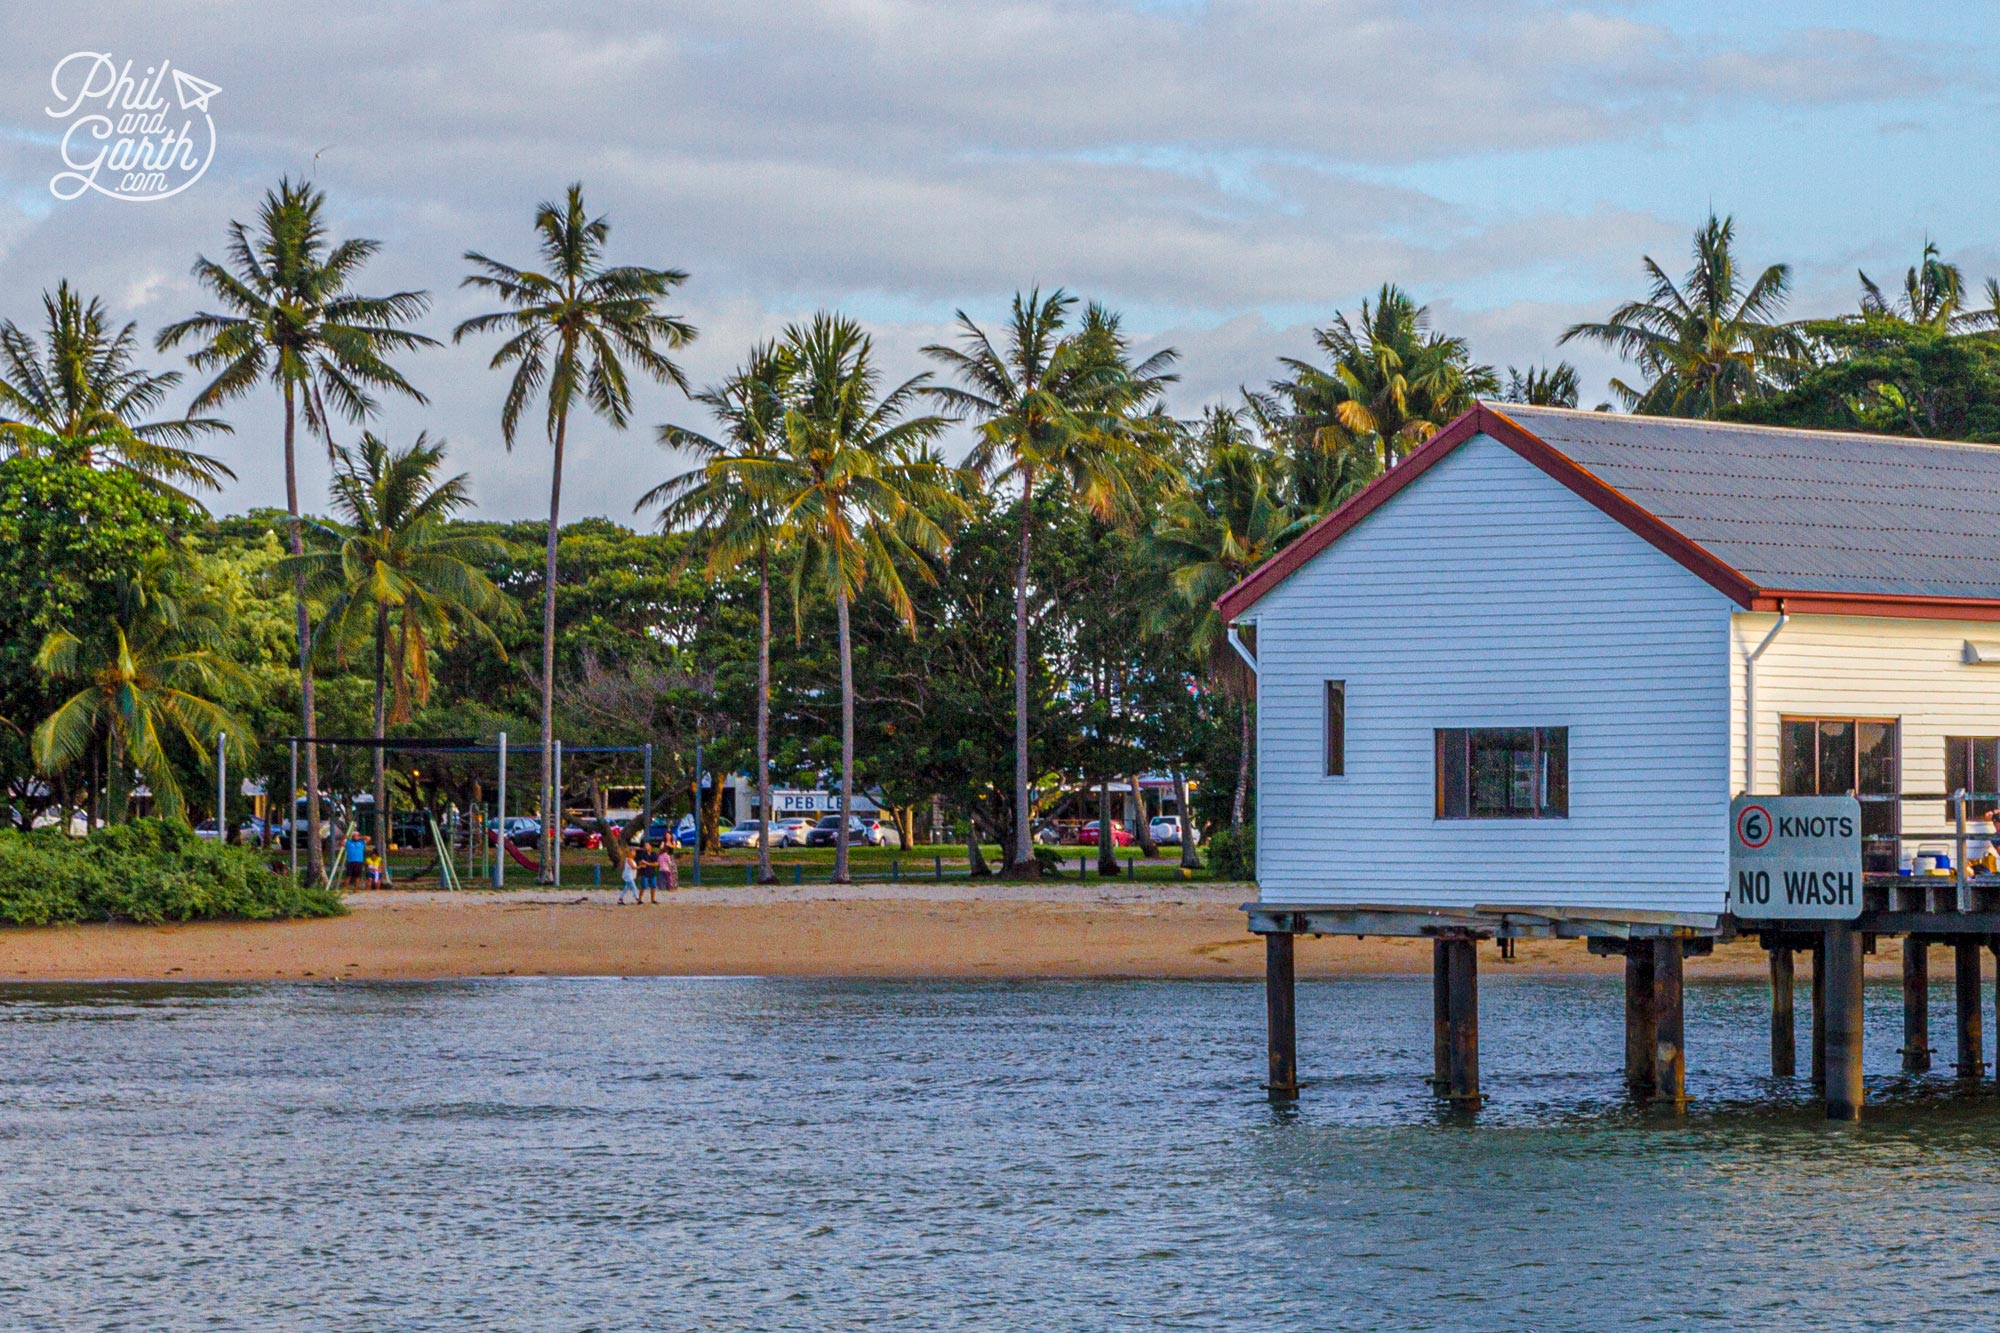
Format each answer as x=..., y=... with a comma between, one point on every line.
x=1228, y=171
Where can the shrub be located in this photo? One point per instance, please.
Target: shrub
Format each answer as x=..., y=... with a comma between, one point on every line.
x=1232, y=853
x=149, y=871
x=1051, y=862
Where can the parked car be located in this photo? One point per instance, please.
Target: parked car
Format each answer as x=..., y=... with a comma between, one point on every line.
x=522, y=831
x=576, y=835
x=744, y=834
x=861, y=829
x=1167, y=832
x=790, y=832
x=1120, y=835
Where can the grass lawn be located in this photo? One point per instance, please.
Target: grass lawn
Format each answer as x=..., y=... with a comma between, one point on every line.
x=803, y=865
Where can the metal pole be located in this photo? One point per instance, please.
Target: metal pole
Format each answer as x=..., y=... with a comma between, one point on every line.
x=646, y=810
x=1958, y=855
x=552, y=850
x=221, y=787
x=292, y=812
x=697, y=814
x=500, y=819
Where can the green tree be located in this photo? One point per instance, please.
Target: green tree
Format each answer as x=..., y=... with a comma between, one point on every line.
x=398, y=575
x=854, y=485
x=68, y=530
x=147, y=673
x=1542, y=386
x=291, y=320
x=1708, y=342
x=1889, y=375
x=1391, y=383
x=571, y=331
x=1231, y=520
x=1051, y=405
x=78, y=384
x=723, y=501
x=1933, y=296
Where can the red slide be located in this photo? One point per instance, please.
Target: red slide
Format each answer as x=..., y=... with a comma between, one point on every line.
x=521, y=857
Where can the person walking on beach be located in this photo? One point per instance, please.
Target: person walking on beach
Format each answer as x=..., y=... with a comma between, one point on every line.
x=357, y=858
x=670, y=870
x=649, y=875
x=628, y=876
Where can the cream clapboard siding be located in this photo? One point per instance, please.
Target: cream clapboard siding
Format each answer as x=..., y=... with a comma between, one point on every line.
x=1856, y=666
x=1487, y=594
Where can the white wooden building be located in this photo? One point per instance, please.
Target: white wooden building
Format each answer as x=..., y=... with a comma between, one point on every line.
x=1531, y=665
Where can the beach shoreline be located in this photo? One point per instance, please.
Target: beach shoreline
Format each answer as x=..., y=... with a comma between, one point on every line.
x=884, y=931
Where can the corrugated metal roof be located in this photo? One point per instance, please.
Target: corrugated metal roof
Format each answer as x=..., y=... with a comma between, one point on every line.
x=1806, y=511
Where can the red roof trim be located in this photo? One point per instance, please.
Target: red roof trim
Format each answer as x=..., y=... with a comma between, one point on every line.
x=1483, y=420
x=1899, y=606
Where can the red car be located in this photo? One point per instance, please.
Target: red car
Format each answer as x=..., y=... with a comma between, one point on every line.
x=1120, y=837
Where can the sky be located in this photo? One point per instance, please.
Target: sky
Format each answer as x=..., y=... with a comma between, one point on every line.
x=1227, y=174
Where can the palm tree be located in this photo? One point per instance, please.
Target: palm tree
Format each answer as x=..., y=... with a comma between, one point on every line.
x=1542, y=386
x=571, y=331
x=724, y=498
x=1933, y=296
x=79, y=385
x=1705, y=343
x=1050, y=405
x=1231, y=520
x=1391, y=385
x=397, y=574
x=146, y=676
x=292, y=320
x=853, y=485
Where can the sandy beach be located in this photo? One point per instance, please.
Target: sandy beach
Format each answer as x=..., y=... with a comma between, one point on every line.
x=877, y=930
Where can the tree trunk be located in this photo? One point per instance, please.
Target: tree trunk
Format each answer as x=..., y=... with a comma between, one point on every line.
x=381, y=730
x=765, y=875
x=1107, y=840
x=1189, y=861
x=1142, y=823
x=1242, y=768
x=846, y=738
x=315, y=853
x=546, y=875
x=117, y=779
x=1022, y=859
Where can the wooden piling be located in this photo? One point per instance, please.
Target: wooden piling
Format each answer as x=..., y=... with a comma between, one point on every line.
x=1440, y=1016
x=1916, y=1005
x=1464, y=1021
x=1965, y=987
x=1281, y=1016
x=1641, y=1026
x=1819, y=1012
x=1784, y=1024
x=1669, y=1030
x=1841, y=948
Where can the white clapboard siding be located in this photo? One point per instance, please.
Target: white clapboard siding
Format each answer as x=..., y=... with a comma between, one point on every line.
x=1487, y=594
x=1856, y=666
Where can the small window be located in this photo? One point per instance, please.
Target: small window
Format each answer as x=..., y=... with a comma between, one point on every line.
x=1971, y=764
x=1503, y=773
x=1336, y=728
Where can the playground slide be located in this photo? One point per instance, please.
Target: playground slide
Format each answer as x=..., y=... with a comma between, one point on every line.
x=521, y=857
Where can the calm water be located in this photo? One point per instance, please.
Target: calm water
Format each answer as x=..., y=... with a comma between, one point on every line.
x=666, y=1154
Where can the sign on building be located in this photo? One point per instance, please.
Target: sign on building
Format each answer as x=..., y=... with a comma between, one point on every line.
x=1795, y=858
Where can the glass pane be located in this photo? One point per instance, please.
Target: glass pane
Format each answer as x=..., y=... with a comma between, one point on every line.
x=1503, y=771
x=1957, y=767
x=1555, y=767
x=1986, y=768
x=1836, y=758
x=1799, y=762
x=1451, y=774
x=1877, y=761
x=1336, y=728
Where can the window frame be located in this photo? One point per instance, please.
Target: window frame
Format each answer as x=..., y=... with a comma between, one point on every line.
x=1333, y=729
x=1874, y=860
x=1459, y=741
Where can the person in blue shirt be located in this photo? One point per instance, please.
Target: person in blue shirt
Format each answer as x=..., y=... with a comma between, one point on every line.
x=357, y=858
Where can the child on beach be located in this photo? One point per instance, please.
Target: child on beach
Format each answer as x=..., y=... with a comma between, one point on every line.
x=628, y=877
x=670, y=870
x=374, y=872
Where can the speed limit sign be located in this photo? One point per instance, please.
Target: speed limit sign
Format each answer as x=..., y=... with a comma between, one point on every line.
x=1795, y=858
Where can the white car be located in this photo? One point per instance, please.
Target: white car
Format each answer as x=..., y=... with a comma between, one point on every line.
x=790, y=832
x=1167, y=832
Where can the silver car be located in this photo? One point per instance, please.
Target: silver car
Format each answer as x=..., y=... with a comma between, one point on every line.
x=1167, y=832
